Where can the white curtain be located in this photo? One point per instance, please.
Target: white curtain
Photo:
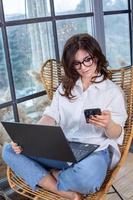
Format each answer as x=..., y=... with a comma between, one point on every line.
x=41, y=34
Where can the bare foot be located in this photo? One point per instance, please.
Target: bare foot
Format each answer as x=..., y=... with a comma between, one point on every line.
x=49, y=182
x=76, y=196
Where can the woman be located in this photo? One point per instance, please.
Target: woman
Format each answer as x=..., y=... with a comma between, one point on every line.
x=85, y=85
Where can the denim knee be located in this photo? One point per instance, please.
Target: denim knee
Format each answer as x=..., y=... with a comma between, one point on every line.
x=79, y=181
x=86, y=176
x=7, y=151
x=88, y=181
x=23, y=166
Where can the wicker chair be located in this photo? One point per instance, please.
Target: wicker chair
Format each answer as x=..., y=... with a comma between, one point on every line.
x=51, y=73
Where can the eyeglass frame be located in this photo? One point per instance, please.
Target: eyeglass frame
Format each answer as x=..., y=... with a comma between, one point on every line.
x=80, y=63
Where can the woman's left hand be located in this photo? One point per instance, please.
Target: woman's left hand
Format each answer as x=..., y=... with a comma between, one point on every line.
x=101, y=121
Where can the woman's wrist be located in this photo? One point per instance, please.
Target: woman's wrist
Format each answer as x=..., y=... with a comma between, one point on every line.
x=110, y=125
x=108, y=129
x=113, y=130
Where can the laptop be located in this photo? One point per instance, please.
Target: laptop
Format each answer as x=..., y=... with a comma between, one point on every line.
x=47, y=141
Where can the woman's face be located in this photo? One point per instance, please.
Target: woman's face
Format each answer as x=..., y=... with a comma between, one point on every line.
x=84, y=64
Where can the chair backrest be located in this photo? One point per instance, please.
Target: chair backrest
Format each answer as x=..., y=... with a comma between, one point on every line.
x=124, y=78
x=51, y=75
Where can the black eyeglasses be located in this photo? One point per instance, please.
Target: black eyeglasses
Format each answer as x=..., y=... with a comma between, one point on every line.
x=87, y=62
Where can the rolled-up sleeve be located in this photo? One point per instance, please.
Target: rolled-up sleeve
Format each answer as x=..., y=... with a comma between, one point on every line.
x=53, y=109
x=118, y=112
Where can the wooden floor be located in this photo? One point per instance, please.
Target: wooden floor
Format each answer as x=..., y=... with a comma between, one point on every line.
x=124, y=181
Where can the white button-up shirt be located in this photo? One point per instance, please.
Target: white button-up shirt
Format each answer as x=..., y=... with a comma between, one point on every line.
x=69, y=114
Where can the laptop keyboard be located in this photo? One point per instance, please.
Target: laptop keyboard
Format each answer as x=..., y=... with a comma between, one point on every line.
x=81, y=150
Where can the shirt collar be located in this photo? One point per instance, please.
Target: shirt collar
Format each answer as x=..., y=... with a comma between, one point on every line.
x=96, y=85
x=101, y=84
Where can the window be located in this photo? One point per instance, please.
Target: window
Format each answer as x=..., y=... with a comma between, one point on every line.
x=4, y=84
x=26, y=9
x=73, y=7
x=117, y=32
x=117, y=40
x=109, y=5
x=29, y=45
x=31, y=111
x=68, y=27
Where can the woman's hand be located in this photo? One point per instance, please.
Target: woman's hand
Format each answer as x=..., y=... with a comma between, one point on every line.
x=112, y=129
x=17, y=149
x=101, y=121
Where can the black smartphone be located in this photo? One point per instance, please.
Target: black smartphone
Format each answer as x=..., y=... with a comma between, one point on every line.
x=92, y=111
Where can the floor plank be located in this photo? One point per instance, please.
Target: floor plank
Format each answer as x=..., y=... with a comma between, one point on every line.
x=124, y=181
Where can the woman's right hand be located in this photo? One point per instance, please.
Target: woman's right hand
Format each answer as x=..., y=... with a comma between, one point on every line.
x=17, y=149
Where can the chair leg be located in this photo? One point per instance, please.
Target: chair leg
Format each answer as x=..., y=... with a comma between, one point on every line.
x=117, y=192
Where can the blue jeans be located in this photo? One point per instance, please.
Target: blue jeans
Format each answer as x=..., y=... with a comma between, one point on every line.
x=84, y=177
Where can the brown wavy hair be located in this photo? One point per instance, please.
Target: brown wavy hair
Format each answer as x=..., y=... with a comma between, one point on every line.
x=88, y=43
